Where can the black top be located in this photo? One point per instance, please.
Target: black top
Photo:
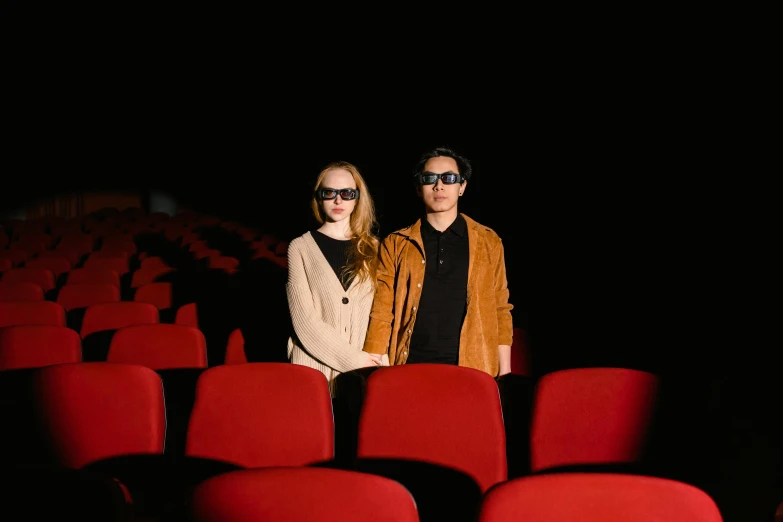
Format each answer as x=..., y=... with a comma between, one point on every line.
x=337, y=252
x=443, y=303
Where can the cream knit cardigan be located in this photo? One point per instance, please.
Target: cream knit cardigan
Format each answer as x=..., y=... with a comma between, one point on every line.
x=328, y=332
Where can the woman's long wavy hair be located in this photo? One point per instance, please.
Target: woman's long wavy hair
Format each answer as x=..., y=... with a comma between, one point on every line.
x=365, y=243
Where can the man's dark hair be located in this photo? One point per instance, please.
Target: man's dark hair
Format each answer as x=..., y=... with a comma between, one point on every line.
x=463, y=164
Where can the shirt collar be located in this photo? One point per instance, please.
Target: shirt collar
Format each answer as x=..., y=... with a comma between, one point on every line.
x=459, y=227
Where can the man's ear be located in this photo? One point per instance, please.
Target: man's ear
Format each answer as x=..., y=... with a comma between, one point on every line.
x=462, y=188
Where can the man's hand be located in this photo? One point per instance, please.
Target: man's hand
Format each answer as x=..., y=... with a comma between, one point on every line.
x=504, y=359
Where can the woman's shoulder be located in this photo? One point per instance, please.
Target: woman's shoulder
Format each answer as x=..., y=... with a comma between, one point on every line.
x=301, y=241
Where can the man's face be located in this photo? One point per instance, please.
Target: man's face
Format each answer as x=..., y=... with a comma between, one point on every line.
x=441, y=197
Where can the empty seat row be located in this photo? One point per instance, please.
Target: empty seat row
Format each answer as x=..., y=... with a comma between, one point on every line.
x=108, y=314
x=156, y=346
x=302, y=494
x=419, y=425
x=604, y=421
x=44, y=272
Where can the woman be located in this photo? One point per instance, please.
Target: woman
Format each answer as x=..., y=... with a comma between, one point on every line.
x=331, y=276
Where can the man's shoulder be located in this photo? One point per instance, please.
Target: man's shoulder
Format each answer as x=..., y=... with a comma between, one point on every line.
x=400, y=233
x=481, y=229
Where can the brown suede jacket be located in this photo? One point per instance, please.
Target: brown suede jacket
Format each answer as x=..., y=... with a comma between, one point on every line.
x=488, y=320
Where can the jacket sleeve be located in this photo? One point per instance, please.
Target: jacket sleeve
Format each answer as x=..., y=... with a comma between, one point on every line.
x=502, y=304
x=320, y=339
x=379, y=330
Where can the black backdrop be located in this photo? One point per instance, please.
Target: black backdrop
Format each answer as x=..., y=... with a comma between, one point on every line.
x=606, y=179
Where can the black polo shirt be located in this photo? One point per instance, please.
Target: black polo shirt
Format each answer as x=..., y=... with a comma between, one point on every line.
x=441, y=309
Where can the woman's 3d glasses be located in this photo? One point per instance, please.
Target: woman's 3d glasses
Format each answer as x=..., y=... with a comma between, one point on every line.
x=346, y=194
x=429, y=178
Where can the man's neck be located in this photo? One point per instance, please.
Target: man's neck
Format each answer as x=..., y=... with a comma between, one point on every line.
x=440, y=221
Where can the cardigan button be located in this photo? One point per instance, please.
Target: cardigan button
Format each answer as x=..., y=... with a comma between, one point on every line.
x=345, y=300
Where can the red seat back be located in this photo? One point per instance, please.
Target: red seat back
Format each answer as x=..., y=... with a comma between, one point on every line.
x=159, y=346
x=81, y=243
x=20, y=291
x=227, y=263
x=33, y=346
x=119, y=246
x=157, y=294
x=302, y=495
x=31, y=312
x=92, y=411
x=33, y=245
x=597, y=497
x=144, y=276
x=82, y=295
x=153, y=262
x=69, y=254
x=118, y=264
x=262, y=414
x=16, y=254
x=43, y=277
x=591, y=416
x=187, y=315
x=58, y=265
x=112, y=316
x=440, y=414
x=93, y=275
x=235, y=348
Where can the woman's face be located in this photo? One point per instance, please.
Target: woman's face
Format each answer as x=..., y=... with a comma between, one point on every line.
x=337, y=209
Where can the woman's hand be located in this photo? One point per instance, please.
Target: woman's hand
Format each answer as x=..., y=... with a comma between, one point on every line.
x=373, y=360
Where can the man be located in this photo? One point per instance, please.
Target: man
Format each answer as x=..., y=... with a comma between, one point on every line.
x=441, y=294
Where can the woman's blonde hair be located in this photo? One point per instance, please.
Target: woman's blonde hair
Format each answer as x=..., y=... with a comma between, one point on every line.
x=364, y=244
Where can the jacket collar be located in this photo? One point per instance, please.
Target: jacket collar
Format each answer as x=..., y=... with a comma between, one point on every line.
x=413, y=234
x=413, y=231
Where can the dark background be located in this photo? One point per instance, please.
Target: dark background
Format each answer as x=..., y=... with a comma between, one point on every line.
x=614, y=169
